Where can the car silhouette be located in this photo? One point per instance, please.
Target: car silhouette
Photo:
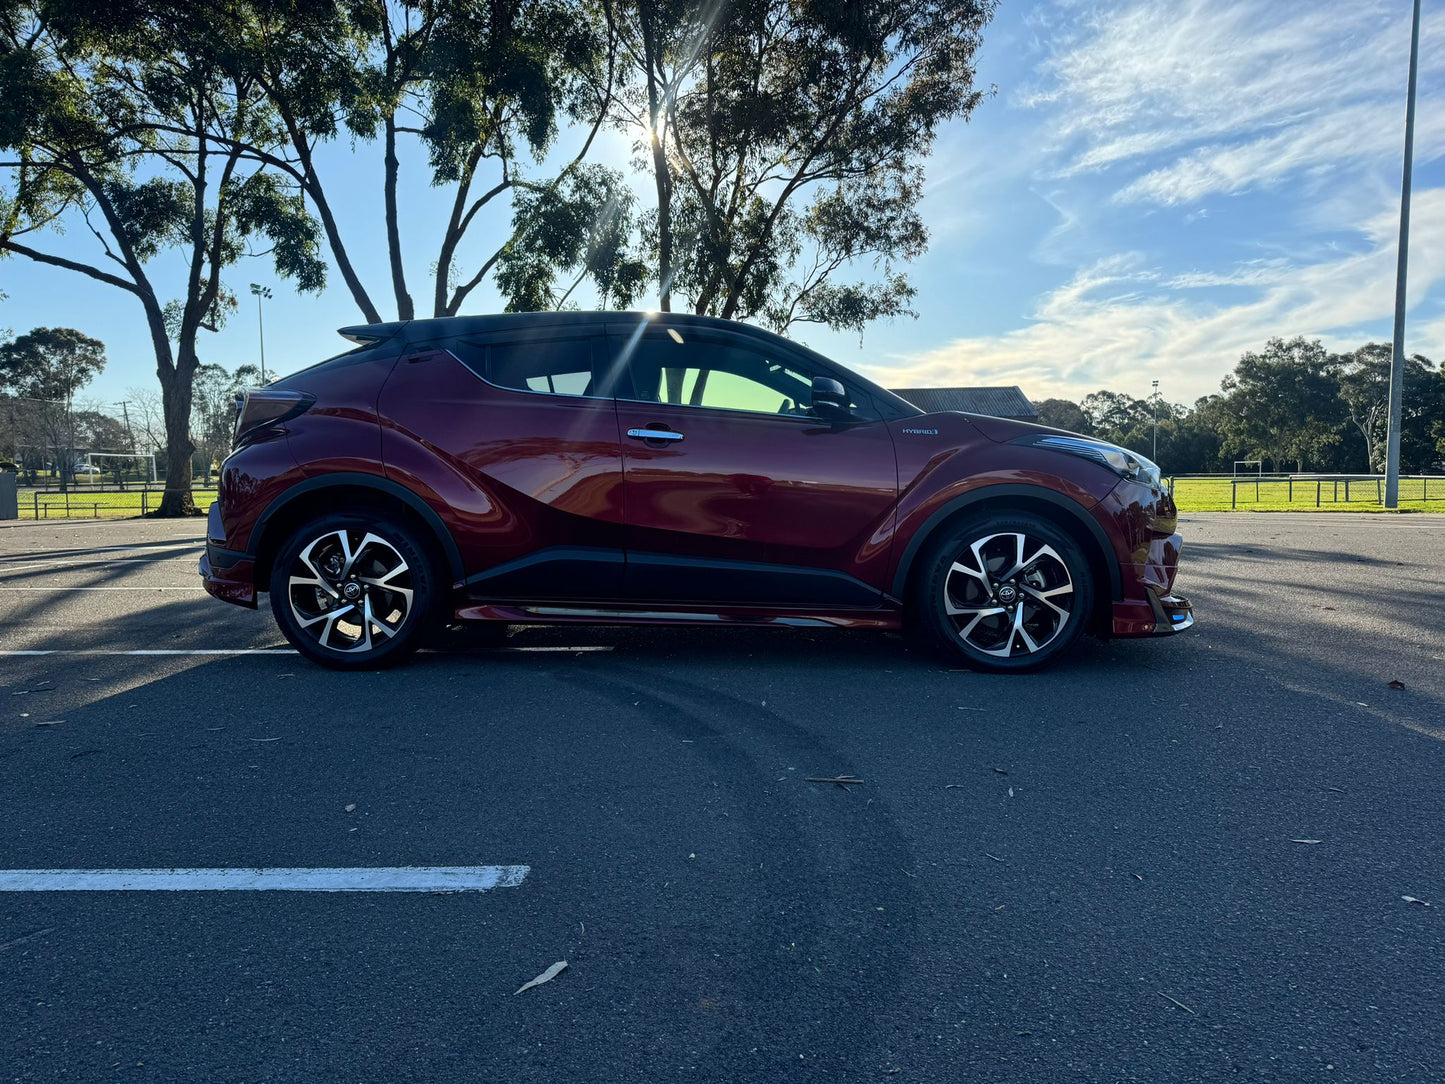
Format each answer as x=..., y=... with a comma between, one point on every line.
x=615, y=467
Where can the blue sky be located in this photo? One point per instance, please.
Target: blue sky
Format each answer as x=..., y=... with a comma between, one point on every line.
x=1156, y=186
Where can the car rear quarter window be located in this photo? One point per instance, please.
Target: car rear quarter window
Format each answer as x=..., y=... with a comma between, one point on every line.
x=548, y=366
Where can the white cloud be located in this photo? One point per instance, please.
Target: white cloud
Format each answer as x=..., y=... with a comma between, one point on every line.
x=1215, y=97
x=1119, y=324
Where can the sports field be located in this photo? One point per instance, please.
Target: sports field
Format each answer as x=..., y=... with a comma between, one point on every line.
x=52, y=504
x=1304, y=495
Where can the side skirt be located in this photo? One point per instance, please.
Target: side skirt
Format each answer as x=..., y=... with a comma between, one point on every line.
x=519, y=614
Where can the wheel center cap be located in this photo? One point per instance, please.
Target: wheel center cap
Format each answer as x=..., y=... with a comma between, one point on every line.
x=1008, y=594
x=352, y=591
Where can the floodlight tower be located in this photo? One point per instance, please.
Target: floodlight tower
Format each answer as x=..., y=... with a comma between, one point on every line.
x=1154, y=412
x=261, y=292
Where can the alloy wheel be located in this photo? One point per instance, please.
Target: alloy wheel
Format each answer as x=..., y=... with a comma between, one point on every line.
x=1009, y=595
x=350, y=589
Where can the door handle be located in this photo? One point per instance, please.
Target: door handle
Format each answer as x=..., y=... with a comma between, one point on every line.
x=654, y=434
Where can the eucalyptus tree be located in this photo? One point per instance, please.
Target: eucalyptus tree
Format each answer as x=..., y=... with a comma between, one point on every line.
x=785, y=141
x=117, y=124
x=472, y=95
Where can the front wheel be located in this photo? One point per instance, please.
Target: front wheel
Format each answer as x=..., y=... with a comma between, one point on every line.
x=1005, y=592
x=354, y=593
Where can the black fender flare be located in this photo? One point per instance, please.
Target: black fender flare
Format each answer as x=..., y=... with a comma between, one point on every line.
x=424, y=511
x=1003, y=491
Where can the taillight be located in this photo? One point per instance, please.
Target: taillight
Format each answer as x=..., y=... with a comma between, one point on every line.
x=262, y=409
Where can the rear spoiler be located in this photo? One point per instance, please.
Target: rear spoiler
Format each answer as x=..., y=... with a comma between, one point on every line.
x=369, y=334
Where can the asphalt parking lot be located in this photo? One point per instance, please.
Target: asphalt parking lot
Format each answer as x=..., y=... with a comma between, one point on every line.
x=1099, y=873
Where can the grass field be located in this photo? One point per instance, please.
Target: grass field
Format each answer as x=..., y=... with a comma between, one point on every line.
x=53, y=505
x=1213, y=495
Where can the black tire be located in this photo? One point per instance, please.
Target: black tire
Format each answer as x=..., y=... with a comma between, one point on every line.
x=336, y=617
x=1004, y=622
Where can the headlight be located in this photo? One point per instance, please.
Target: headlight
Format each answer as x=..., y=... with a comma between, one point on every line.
x=1120, y=460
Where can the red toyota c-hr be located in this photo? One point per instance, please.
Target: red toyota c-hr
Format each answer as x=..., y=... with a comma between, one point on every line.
x=600, y=467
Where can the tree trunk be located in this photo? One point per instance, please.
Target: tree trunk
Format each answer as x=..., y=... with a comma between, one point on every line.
x=176, y=387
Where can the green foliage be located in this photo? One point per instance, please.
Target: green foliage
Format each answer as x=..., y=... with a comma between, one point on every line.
x=785, y=139
x=50, y=363
x=1063, y=414
x=1293, y=405
x=583, y=225
x=1285, y=404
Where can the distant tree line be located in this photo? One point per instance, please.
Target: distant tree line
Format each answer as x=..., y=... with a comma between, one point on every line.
x=1293, y=405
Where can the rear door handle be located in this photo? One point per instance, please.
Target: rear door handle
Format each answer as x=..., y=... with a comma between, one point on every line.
x=653, y=434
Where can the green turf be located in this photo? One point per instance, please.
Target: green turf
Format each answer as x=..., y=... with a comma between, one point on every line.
x=1213, y=495
x=56, y=505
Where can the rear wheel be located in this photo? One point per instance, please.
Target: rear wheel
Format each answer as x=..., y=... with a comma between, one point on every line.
x=1007, y=592
x=354, y=593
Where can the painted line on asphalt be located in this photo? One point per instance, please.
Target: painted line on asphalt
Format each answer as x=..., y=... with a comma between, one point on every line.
x=80, y=563
x=540, y=649
x=360, y=879
x=186, y=543
x=61, y=589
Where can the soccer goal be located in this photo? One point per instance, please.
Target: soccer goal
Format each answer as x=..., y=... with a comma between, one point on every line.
x=93, y=463
x=1247, y=464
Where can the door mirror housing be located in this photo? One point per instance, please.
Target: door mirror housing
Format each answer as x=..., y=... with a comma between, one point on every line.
x=830, y=400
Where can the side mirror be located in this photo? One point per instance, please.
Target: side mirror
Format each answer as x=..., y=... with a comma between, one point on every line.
x=830, y=400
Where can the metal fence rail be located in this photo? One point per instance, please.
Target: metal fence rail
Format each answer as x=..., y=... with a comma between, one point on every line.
x=1310, y=490
x=108, y=503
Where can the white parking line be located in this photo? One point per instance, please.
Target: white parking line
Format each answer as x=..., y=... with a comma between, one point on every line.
x=189, y=543
x=362, y=879
x=192, y=589
x=6, y=567
x=540, y=648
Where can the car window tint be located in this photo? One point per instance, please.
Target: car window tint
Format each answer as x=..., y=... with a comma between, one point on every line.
x=558, y=366
x=720, y=375
x=550, y=366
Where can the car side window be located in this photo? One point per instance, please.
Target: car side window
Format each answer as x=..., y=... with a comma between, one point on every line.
x=720, y=375
x=549, y=366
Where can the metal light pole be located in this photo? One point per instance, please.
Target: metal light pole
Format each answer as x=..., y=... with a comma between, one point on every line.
x=1154, y=412
x=1397, y=362
x=261, y=292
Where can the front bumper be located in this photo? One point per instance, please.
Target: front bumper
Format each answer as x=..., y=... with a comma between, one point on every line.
x=228, y=576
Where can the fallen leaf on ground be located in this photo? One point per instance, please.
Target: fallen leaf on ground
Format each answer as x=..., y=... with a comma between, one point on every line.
x=851, y=780
x=1001, y=771
x=1181, y=1004
x=1412, y=899
x=1397, y=684
x=546, y=976
x=351, y=808
x=263, y=739
x=995, y=857
x=51, y=722
x=1309, y=841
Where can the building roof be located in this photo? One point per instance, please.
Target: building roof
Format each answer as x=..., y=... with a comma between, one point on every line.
x=1008, y=402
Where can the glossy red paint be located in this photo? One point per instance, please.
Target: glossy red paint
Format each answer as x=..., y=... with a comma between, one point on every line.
x=546, y=511
x=757, y=487
x=510, y=472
